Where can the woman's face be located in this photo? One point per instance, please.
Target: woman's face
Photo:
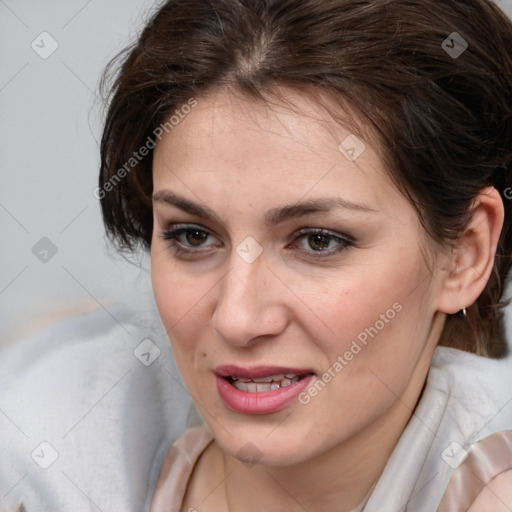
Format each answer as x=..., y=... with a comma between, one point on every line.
x=276, y=255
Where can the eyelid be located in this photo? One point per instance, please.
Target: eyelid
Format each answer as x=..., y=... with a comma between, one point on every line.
x=184, y=226
x=170, y=226
x=324, y=231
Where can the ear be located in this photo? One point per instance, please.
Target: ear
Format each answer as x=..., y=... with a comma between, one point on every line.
x=473, y=256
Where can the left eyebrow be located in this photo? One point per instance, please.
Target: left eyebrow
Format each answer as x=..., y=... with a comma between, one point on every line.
x=323, y=205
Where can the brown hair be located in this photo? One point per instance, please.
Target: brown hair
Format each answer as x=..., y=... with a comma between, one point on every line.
x=443, y=115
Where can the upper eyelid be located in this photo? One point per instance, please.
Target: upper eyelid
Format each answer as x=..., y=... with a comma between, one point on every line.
x=183, y=226
x=324, y=231
x=301, y=231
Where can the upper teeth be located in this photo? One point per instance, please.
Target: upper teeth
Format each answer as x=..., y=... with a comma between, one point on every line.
x=275, y=378
x=262, y=384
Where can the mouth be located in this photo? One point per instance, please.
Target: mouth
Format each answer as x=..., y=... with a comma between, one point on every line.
x=262, y=389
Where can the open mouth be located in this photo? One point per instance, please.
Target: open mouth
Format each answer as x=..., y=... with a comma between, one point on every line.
x=265, y=384
x=261, y=389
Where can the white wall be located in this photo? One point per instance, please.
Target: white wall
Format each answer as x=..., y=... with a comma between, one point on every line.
x=49, y=128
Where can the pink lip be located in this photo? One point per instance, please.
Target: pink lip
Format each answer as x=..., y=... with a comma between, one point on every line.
x=259, y=403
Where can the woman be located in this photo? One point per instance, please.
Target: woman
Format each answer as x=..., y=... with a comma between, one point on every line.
x=325, y=191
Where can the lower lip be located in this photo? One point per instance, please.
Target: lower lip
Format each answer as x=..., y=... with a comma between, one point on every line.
x=260, y=403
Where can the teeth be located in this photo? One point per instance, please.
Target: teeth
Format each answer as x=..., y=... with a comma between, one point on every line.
x=259, y=386
x=275, y=378
x=252, y=387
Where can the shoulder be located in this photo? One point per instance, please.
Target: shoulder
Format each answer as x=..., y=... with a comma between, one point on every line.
x=484, y=479
x=472, y=448
x=477, y=393
x=496, y=495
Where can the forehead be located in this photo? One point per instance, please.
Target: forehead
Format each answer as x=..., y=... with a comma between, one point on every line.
x=286, y=151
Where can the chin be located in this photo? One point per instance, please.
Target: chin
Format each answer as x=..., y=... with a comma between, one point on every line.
x=263, y=445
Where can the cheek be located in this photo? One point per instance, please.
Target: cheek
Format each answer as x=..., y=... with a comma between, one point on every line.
x=182, y=301
x=369, y=315
x=173, y=296
x=379, y=352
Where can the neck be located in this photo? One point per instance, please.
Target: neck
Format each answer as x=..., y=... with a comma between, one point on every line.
x=340, y=479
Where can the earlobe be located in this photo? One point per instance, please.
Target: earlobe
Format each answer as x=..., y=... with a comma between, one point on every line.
x=473, y=256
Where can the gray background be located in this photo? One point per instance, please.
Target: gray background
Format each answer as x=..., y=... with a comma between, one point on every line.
x=49, y=130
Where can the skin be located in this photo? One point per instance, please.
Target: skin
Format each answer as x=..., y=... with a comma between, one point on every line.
x=241, y=158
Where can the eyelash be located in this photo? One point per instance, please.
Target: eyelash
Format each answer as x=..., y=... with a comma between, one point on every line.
x=172, y=235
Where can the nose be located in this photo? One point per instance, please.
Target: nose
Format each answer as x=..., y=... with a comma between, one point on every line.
x=249, y=304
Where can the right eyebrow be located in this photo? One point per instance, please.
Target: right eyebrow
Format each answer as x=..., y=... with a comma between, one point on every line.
x=199, y=210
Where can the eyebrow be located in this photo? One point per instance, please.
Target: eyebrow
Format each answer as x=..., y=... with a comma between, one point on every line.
x=312, y=206
x=273, y=216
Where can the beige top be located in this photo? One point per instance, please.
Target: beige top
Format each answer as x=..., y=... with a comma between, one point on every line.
x=177, y=469
x=486, y=459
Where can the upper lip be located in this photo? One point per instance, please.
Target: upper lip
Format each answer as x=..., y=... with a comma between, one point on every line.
x=256, y=372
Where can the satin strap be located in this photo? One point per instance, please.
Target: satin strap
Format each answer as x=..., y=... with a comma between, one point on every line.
x=486, y=459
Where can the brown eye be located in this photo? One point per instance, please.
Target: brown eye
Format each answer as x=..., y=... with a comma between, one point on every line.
x=319, y=242
x=196, y=237
x=190, y=237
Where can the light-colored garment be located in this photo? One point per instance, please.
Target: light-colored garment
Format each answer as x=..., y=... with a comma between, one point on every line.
x=84, y=424
x=486, y=459
x=177, y=468
x=467, y=399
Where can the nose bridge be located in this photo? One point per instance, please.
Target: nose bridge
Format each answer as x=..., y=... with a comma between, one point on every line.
x=247, y=305
x=242, y=283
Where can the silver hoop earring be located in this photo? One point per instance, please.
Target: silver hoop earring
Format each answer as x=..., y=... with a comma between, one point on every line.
x=462, y=313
